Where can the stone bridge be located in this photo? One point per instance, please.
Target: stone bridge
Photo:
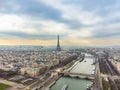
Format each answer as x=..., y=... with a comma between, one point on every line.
x=89, y=76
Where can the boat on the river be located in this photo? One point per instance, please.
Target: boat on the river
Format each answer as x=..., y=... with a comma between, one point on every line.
x=64, y=87
x=89, y=86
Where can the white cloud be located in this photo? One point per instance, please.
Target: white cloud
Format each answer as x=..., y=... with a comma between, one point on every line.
x=16, y=23
x=10, y=22
x=74, y=12
x=52, y=27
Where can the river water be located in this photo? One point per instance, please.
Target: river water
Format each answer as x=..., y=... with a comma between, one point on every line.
x=85, y=67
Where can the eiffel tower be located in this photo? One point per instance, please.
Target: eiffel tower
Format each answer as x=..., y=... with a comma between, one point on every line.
x=58, y=44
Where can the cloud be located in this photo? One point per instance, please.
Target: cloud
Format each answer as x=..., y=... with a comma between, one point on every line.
x=23, y=27
x=73, y=12
x=10, y=22
x=29, y=8
x=76, y=21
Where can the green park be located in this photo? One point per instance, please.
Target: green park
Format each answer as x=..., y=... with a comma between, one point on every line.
x=3, y=86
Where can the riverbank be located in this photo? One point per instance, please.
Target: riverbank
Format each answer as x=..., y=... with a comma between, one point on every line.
x=74, y=62
x=85, y=67
x=73, y=66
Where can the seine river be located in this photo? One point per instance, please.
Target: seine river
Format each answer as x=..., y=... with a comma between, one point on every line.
x=85, y=67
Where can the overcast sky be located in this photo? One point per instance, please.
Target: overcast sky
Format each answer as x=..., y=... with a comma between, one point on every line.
x=78, y=22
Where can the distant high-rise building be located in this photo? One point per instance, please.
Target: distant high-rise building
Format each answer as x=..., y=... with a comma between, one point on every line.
x=58, y=44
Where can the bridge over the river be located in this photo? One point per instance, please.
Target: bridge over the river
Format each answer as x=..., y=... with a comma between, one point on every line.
x=89, y=76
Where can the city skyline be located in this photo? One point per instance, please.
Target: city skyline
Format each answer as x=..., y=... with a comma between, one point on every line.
x=78, y=22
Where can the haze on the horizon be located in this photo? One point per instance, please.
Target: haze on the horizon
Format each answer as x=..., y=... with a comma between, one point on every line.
x=79, y=22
